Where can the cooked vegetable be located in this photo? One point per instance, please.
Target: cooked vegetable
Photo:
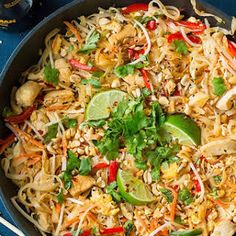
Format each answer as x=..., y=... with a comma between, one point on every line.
x=51, y=75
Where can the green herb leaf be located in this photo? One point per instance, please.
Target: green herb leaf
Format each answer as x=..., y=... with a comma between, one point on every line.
x=180, y=47
x=85, y=166
x=217, y=179
x=112, y=190
x=67, y=178
x=52, y=133
x=218, y=86
x=96, y=123
x=51, y=75
x=70, y=48
x=185, y=196
x=123, y=71
x=7, y=112
x=178, y=220
x=129, y=227
x=214, y=193
x=98, y=74
x=69, y=123
x=91, y=43
x=73, y=161
x=94, y=82
x=167, y=194
x=143, y=20
x=60, y=196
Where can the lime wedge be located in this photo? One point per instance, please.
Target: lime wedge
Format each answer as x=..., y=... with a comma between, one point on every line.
x=102, y=103
x=132, y=189
x=184, y=129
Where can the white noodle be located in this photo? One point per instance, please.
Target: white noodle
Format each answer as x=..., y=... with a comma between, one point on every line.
x=153, y=233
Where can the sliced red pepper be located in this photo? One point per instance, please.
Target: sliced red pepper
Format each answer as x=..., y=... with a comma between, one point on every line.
x=67, y=234
x=113, y=168
x=151, y=25
x=192, y=25
x=86, y=233
x=100, y=166
x=145, y=78
x=135, y=54
x=112, y=230
x=176, y=93
x=179, y=36
x=197, y=185
x=78, y=65
x=175, y=36
x=17, y=119
x=135, y=7
x=232, y=48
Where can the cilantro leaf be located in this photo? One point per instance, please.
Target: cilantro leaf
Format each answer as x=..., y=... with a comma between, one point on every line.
x=73, y=161
x=7, y=112
x=52, y=133
x=180, y=47
x=51, y=75
x=96, y=123
x=69, y=123
x=91, y=43
x=123, y=71
x=94, y=82
x=60, y=196
x=218, y=86
x=217, y=178
x=143, y=20
x=98, y=74
x=129, y=227
x=185, y=196
x=157, y=114
x=85, y=166
x=167, y=194
x=112, y=190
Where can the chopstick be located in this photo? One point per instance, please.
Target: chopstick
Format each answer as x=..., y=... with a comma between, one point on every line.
x=11, y=227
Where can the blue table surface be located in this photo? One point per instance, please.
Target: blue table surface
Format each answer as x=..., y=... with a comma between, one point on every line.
x=9, y=41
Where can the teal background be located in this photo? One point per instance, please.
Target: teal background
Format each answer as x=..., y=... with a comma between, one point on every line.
x=9, y=41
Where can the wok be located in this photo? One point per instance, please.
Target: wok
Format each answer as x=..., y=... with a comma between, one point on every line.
x=27, y=53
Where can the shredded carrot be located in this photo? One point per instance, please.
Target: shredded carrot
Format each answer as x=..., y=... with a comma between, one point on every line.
x=56, y=108
x=70, y=222
x=27, y=137
x=92, y=216
x=165, y=232
x=73, y=30
x=141, y=221
x=220, y=203
x=174, y=203
x=58, y=208
x=153, y=224
x=28, y=155
x=64, y=146
x=6, y=143
x=33, y=161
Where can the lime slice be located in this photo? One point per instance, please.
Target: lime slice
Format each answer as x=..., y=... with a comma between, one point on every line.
x=102, y=103
x=184, y=129
x=132, y=189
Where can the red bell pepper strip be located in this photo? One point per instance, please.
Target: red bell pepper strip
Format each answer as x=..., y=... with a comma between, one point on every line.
x=232, y=48
x=17, y=119
x=145, y=78
x=5, y=143
x=78, y=65
x=113, y=168
x=197, y=185
x=175, y=36
x=100, y=166
x=86, y=233
x=192, y=25
x=112, y=230
x=135, y=7
x=135, y=54
x=179, y=36
x=151, y=25
x=176, y=93
x=67, y=234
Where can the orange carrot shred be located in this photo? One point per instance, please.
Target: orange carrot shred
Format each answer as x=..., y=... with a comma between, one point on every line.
x=174, y=203
x=73, y=30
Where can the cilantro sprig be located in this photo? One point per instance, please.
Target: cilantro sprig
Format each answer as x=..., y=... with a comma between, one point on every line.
x=218, y=86
x=51, y=75
x=91, y=43
x=180, y=47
